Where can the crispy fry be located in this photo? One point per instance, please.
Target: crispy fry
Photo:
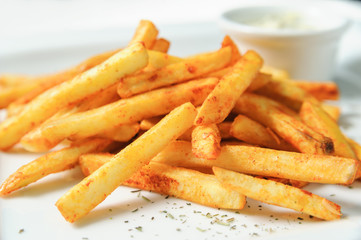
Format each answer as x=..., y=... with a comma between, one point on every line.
x=275, y=116
x=357, y=149
x=333, y=111
x=206, y=141
x=148, y=123
x=51, y=163
x=122, y=133
x=236, y=55
x=174, y=181
x=287, y=93
x=222, y=99
x=224, y=129
x=316, y=118
x=46, y=82
x=124, y=111
x=266, y=162
x=278, y=194
x=83, y=197
x=187, y=69
x=161, y=45
x=146, y=33
x=12, y=93
x=277, y=74
x=250, y=131
x=11, y=80
x=44, y=106
x=320, y=90
x=259, y=81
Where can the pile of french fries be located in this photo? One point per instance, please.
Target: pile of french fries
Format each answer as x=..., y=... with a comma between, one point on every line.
x=212, y=128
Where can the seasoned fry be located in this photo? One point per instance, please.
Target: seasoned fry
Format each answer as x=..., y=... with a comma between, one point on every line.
x=187, y=69
x=277, y=74
x=259, y=81
x=278, y=194
x=236, y=55
x=333, y=111
x=51, y=163
x=222, y=99
x=124, y=111
x=179, y=182
x=161, y=45
x=320, y=90
x=275, y=116
x=266, y=162
x=357, y=149
x=146, y=33
x=224, y=129
x=250, y=131
x=12, y=93
x=122, y=133
x=173, y=181
x=11, y=80
x=148, y=123
x=287, y=93
x=320, y=121
x=83, y=197
x=206, y=141
x=48, y=81
x=44, y=106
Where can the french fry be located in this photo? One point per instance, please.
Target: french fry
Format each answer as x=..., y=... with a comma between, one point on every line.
x=49, y=163
x=315, y=117
x=222, y=99
x=275, y=116
x=124, y=111
x=357, y=149
x=48, y=81
x=187, y=69
x=45, y=105
x=259, y=81
x=182, y=183
x=266, y=162
x=161, y=45
x=206, y=141
x=277, y=74
x=83, y=197
x=158, y=60
x=148, y=123
x=287, y=93
x=250, y=131
x=278, y=194
x=11, y=80
x=320, y=90
x=333, y=111
x=146, y=32
x=12, y=93
x=224, y=129
x=236, y=55
x=122, y=133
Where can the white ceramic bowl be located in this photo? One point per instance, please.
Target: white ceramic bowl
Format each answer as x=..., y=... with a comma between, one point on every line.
x=306, y=49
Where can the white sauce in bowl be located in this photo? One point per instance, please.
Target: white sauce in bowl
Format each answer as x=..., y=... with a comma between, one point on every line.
x=281, y=21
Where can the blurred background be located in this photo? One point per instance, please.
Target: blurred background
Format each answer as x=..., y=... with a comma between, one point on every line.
x=52, y=22
x=41, y=36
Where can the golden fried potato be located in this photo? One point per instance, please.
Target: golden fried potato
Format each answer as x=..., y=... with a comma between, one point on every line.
x=45, y=105
x=125, y=111
x=222, y=99
x=83, y=197
x=278, y=194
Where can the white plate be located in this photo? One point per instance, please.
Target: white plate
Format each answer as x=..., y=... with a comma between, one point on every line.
x=30, y=213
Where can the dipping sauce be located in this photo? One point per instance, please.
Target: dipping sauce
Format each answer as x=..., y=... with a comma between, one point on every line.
x=281, y=21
